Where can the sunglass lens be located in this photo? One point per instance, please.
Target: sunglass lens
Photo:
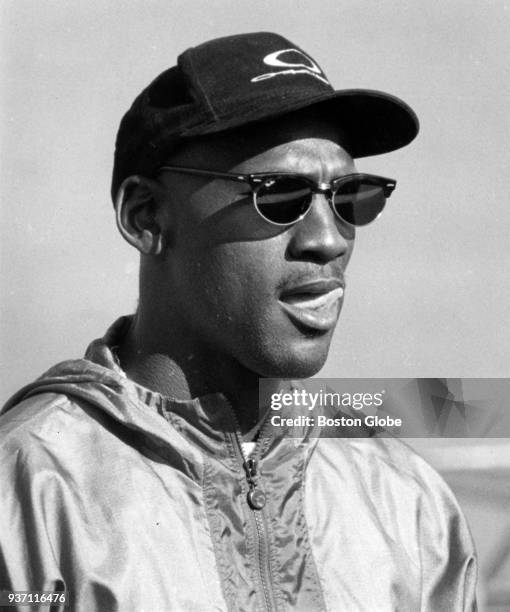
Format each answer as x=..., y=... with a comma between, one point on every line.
x=359, y=202
x=283, y=200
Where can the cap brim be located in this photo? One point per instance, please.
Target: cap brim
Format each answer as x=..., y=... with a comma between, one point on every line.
x=373, y=121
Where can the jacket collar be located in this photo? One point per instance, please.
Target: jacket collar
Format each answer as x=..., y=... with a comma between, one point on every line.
x=206, y=420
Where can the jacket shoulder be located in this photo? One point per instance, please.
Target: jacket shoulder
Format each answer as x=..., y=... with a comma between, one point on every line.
x=38, y=416
x=390, y=464
x=44, y=430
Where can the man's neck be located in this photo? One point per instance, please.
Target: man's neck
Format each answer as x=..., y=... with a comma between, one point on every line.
x=176, y=370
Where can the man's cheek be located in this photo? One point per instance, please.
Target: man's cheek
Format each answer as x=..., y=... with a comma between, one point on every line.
x=218, y=288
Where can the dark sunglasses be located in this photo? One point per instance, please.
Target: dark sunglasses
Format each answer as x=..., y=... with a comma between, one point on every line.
x=284, y=198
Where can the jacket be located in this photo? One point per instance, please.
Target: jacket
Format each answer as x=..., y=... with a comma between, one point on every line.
x=132, y=501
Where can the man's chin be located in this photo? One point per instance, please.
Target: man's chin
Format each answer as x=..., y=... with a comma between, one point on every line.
x=297, y=359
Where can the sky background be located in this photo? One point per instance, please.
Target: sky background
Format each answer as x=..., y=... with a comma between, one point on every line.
x=428, y=285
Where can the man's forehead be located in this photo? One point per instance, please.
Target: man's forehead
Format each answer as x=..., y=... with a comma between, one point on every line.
x=235, y=146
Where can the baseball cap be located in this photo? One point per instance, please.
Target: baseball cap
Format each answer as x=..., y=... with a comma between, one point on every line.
x=237, y=80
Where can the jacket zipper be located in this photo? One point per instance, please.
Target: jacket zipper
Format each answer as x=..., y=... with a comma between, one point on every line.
x=256, y=501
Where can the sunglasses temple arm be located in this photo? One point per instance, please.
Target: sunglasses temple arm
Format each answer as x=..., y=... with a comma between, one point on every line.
x=242, y=178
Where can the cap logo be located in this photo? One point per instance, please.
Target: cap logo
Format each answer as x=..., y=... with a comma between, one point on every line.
x=307, y=67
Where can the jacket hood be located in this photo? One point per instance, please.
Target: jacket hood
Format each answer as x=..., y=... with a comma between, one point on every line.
x=98, y=381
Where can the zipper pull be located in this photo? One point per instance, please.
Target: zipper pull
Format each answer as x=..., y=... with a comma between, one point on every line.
x=256, y=496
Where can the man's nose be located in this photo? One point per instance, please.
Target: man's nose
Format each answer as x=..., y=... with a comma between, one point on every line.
x=320, y=237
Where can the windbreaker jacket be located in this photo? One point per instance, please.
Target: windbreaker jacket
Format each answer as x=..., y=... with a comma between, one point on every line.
x=131, y=501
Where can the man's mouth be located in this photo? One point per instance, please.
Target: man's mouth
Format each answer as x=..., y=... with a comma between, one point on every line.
x=315, y=304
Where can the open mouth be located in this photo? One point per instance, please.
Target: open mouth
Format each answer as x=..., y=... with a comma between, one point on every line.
x=314, y=305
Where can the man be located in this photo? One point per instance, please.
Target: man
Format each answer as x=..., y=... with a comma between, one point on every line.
x=143, y=477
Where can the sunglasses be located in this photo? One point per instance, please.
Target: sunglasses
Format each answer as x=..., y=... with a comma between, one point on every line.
x=283, y=198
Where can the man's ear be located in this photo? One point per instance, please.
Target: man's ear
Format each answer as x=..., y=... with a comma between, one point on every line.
x=135, y=210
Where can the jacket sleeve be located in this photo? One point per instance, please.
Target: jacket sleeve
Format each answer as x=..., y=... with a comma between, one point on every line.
x=27, y=552
x=449, y=564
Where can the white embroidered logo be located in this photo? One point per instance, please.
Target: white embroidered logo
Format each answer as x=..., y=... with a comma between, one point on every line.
x=309, y=67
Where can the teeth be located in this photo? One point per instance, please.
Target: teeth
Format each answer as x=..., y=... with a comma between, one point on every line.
x=320, y=301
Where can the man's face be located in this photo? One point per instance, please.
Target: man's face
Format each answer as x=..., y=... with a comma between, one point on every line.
x=267, y=297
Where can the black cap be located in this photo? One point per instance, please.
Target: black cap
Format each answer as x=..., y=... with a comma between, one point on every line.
x=233, y=81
